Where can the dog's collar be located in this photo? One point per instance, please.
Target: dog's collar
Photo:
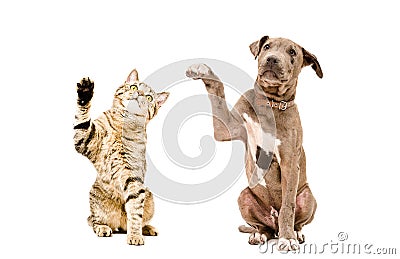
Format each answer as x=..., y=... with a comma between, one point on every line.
x=262, y=100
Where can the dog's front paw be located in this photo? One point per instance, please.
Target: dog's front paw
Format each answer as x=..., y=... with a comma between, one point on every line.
x=290, y=244
x=200, y=71
x=85, y=91
x=136, y=240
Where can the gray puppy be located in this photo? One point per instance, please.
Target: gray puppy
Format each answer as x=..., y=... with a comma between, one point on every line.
x=281, y=203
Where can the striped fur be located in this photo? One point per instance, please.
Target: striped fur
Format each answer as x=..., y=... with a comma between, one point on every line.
x=116, y=145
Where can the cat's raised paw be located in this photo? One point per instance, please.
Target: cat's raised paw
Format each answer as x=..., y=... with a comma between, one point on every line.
x=136, y=240
x=149, y=230
x=85, y=91
x=103, y=231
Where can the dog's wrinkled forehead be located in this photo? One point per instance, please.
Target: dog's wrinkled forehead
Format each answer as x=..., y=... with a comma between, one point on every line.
x=283, y=48
x=279, y=43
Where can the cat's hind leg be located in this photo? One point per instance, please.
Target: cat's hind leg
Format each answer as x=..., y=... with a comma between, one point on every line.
x=106, y=213
x=148, y=213
x=149, y=230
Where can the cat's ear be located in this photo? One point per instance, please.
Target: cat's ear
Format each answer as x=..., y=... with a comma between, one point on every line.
x=133, y=77
x=161, y=98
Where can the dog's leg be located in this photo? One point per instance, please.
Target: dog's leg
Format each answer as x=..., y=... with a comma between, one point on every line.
x=290, y=171
x=227, y=124
x=263, y=218
x=306, y=206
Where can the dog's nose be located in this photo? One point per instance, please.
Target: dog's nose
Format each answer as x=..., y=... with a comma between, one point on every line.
x=271, y=60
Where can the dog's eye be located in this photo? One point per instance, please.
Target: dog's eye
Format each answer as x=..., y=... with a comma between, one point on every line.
x=149, y=98
x=266, y=46
x=292, y=52
x=134, y=87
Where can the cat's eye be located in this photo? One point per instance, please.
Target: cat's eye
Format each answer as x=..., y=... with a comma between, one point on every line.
x=149, y=98
x=134, y=87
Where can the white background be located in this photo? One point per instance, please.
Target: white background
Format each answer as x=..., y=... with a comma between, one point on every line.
x=350, y=117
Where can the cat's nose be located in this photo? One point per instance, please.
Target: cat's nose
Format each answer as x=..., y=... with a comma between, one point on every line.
x=140, y=92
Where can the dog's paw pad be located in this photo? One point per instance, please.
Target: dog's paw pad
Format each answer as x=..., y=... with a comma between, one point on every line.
x=257, y=239
x=285, y=244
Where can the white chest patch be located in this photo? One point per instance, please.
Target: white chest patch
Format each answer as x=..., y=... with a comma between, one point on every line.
x=276, y=150
x=256, y=137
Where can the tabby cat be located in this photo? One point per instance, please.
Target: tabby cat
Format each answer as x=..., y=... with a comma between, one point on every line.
x=116, y=144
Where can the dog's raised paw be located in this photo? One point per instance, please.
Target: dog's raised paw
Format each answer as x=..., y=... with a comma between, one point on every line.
x=288, y=244
x=257, y=238
x=200, y=71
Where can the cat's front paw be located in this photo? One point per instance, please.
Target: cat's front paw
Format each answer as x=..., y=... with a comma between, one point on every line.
x=136, y=240
x=85, y=91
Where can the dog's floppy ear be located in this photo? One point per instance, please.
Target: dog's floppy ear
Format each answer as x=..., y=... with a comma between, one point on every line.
x=256, y=46
x=310, y=59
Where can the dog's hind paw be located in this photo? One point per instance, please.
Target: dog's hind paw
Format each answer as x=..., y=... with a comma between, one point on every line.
x=288, y=244
x=257, y=239
x=300, y=237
